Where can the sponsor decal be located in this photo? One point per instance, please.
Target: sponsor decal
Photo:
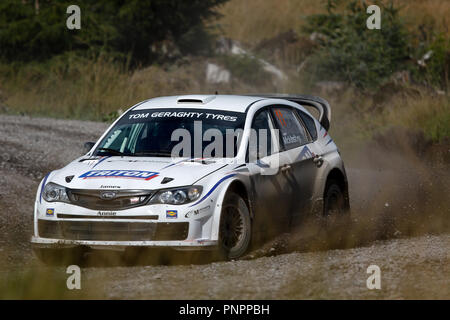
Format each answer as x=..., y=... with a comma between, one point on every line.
x=138, y=116
x=106, y=213
x=128, y=174
x=50, y=212
x=288, y=139
x=171, y=214
x=280, y=117
x=194, y=115
x=197, y=211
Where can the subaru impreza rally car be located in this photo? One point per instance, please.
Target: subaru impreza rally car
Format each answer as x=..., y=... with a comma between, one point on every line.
x=195, y=172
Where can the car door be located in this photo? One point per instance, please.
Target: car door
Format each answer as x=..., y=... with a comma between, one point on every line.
x=272, y=192
x=300, y=168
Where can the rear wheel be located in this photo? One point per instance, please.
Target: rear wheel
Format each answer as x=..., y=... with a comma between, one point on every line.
x=336, y=215
x=334, y=201
x=235, y=227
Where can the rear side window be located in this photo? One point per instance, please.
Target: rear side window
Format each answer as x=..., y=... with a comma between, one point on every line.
x=309, y=123
x=292, y=133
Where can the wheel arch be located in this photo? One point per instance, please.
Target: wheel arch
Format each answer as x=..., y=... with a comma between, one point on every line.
x=238, y=187
x=233, y=185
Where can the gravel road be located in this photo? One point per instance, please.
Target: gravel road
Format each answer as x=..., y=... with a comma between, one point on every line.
x=400, y=212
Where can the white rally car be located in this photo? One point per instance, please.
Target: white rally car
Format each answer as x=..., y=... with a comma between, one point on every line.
x=195, y=172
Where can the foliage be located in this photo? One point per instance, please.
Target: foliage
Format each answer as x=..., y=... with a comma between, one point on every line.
x=123, y=29
x=350, y=52
x=436, y=69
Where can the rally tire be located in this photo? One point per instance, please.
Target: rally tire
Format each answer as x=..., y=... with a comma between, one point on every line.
x=336, y=214
x=235, y=227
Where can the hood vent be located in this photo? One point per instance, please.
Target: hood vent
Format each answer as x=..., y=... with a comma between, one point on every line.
x=189, y=101
x=199, y=99
x=166, y=180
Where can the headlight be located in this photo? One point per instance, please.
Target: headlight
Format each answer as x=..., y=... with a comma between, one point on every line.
x=177, y=195
x=54, y=192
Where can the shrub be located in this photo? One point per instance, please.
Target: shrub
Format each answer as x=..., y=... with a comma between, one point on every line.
x=436, y=69
x=350, y=52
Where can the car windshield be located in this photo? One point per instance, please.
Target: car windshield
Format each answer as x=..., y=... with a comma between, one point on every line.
x=175, y=132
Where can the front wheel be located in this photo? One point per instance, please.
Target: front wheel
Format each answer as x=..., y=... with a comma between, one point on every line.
x=235, y=227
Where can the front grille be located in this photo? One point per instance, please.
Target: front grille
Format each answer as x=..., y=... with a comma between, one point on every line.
x=113, y=231
x=98, y=217
x=122, y=199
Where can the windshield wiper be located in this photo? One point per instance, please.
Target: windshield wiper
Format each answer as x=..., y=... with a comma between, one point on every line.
x=141, y=153
x=115, y=152
x=153, y=153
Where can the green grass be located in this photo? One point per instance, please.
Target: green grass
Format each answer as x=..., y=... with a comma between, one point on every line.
x=86, y=89
x=429, y=113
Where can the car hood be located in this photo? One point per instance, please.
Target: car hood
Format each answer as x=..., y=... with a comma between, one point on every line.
x=133, y=173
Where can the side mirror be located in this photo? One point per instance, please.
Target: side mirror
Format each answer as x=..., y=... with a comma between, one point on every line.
x=88, y=146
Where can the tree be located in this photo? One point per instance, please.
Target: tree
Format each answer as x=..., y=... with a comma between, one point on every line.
x=32, y=30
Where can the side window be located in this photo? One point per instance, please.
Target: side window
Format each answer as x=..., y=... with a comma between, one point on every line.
x=309, y=123
x=260, y=142
x=292, y=132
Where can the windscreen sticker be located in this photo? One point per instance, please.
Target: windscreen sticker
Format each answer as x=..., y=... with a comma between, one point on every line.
x=129, y=174
x=194, y=115
x=146, y=115
x=280, y=117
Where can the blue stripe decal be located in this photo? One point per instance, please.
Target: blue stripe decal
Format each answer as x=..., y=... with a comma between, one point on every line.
x=175, y=163
x=331, y=140
x=214, y=188
x=262, y=164
x=101, y=160
x=42, y=187
x=304, y=154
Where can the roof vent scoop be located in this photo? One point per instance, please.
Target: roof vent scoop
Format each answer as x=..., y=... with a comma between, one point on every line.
x=199, y=99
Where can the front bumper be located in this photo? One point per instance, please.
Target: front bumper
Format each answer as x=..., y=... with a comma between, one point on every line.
x=71, y=226
x=198, y=244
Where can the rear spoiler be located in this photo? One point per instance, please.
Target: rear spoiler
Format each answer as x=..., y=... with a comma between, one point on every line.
x=317, y=103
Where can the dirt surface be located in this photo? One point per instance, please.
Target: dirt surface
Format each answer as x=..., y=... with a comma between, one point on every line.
x=400, y=222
